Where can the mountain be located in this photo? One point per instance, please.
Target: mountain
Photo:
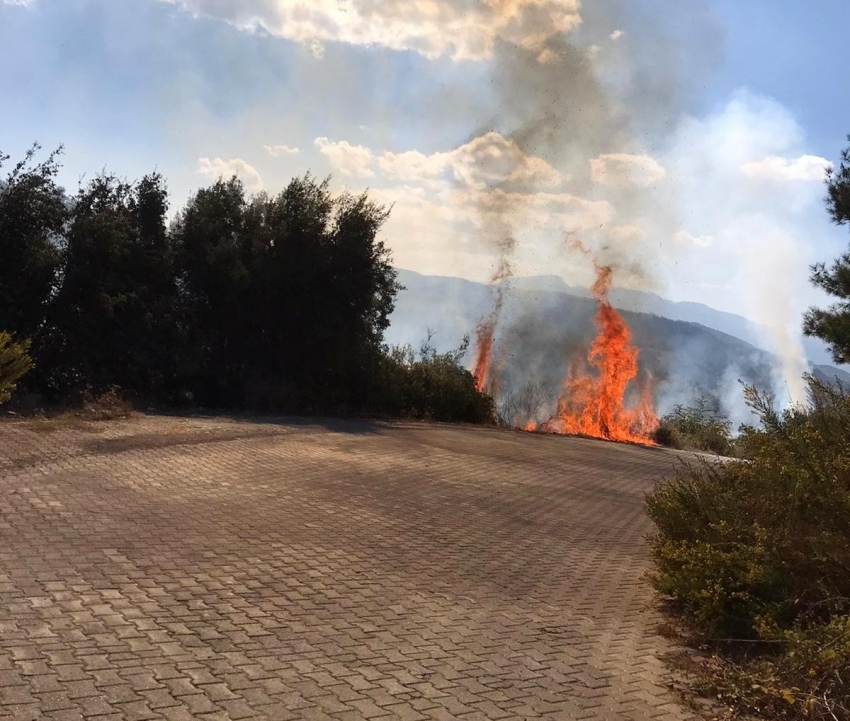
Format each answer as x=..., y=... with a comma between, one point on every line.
x=641, y=301
x=688, y=348
x=830, y=374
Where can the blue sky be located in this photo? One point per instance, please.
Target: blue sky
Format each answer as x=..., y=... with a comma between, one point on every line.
x=685, y=139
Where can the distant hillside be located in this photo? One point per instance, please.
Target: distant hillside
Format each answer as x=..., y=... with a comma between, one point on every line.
x=640, y=302
x=546, y=324
x=830, y=374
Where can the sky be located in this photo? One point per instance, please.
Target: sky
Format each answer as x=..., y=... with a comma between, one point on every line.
x=684, y=141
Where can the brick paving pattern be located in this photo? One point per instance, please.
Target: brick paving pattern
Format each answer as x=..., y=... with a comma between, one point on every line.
x=165, y=568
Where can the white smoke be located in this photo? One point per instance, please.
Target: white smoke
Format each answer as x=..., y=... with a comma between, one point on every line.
x=762, y=225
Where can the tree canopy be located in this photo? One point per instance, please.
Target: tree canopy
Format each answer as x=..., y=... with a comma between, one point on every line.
x=271, y=302
x=832, y=324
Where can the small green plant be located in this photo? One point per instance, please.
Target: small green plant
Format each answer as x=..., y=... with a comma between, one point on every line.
x=15, y=363
x=699, y=427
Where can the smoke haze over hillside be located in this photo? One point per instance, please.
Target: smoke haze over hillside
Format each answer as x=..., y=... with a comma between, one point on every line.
x=495, y=129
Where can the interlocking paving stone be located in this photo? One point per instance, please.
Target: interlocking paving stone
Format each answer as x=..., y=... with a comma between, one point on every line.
x=168, y=568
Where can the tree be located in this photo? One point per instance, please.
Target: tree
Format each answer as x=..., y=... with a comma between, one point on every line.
x=33, y=212
x=217, y=244
x=832, y=324
x=289, y=294
x=113, y=319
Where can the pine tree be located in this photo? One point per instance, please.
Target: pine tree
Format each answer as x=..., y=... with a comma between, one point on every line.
x=832, y=324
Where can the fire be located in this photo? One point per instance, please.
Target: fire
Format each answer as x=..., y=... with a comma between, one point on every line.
x=591, y=403
x=594, y=404
x=485, y=333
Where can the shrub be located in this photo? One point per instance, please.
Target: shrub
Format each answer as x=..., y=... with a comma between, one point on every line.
x=760, y=549
x=106, y=406
x=430, y=386
x=698, y=428
x=744, y=543
x=15, y=363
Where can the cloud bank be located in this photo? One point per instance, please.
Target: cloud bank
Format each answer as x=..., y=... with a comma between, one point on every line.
x=460, y=30
x=215, y=168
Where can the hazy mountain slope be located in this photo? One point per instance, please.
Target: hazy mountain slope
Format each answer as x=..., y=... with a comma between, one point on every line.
x=641, y=302
x=830, y=374
x=546, y=325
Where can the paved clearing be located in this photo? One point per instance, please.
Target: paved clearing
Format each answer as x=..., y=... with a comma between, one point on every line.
x=161, y=568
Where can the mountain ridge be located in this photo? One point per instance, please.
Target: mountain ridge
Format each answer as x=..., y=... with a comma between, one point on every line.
x=639, y=301
x=542, y=330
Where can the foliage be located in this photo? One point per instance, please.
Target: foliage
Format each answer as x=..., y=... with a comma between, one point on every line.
x=833, y=324
x=295, y=288
x=698, y=427
x=33, y=212
x=273, y=303
x=431, y=386
x=760, y=549
x=15, y=363
x=112, y=322
x=516, y=408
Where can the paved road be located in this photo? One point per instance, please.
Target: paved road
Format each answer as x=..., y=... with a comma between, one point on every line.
x=162, y=568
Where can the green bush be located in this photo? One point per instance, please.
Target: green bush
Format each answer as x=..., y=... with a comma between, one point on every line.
x=697, y=428
x=742, y=544
x=15, y=363
x=430, y=386
x=760, y=550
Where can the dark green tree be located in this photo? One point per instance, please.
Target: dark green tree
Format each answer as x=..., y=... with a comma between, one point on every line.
x=217, y=246
x=287, y=296
x=832, y=324
x=114, y=319
x=328, y=287
x=33, y=212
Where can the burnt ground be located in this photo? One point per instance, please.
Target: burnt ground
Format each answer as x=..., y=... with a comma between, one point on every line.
x=168, y=568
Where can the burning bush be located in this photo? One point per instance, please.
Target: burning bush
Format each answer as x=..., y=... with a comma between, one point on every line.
x=761, y=550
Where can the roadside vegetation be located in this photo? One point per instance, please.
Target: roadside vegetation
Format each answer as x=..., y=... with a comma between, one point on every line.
x=15, y=363
x=261, y=302
x=699, y=427
x=754, y=555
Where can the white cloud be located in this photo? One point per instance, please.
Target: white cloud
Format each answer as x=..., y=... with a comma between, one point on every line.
x=489, y=160
x=616, y=35
x=277, y=151
x=316, y=48
x=350, y=160
x=21, y=3
x=217, y=168
x=433, y=28
x=621, y=170
x=684, y=237
x=774, y=167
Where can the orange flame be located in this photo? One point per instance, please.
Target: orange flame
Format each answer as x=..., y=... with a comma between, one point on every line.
x=594, y=405
x=483, y=350
x=486, y=331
